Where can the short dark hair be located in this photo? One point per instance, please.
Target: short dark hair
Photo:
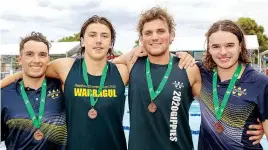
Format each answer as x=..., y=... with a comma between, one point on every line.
x=101, y=20
x=34, y=36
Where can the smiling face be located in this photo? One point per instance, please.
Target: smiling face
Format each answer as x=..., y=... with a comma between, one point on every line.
x=156, y=37
x=97, y=41
x=34, y=59
x=224, y=48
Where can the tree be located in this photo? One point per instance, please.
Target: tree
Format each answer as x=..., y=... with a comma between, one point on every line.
x=75, y=37
x=250, y=27
x=137, y=43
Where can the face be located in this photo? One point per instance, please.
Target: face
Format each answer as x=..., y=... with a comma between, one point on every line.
x=224, y=48
x=97, y=41
x=156, y=37
x=34, y=59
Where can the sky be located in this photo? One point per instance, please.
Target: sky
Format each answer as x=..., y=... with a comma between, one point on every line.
x=60, y=18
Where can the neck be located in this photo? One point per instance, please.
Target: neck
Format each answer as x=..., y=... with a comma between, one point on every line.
x=227, y=74
x=34, y=83
x=95, y=67
x=161, y=60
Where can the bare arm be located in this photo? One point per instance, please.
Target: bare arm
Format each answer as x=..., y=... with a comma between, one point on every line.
x=60, y=68
x=265, y=127
x=130, y=58
x=255, y=132
x=11, y=78
x=122, y=59
x=123, y=70
x=195, y=80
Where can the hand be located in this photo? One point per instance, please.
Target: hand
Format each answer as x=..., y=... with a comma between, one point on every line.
x=138, y=51
x=256, y=132
x=186, y=60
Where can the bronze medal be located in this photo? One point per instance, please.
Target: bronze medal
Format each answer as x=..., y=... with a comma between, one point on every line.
x=152, y=107
x=219, y=128
x=92, y=113
x=38, y=135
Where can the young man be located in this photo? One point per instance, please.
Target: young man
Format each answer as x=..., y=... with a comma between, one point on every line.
x=160, y=94
x=94, y=90
x=239, y=93
x=32, y=110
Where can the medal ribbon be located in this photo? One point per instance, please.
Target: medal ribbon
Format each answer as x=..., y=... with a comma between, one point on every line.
x=154, y=94
x=35, y=120
x=103, y=77
x=219, y=110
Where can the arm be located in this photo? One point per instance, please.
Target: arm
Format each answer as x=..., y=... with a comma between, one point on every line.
x=265, y=127
x=59, y=68
x=263, y=99
x=195, y=80
x=255, y=132
x=122, y=59
x=123, y=70
x=11, y=78
x=130, y=58
x=186, y=60
x=263, y=105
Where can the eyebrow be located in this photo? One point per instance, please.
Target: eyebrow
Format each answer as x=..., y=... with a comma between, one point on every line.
x=226, y=43
x=96, y=32
x=34, y=52
x=152, y=30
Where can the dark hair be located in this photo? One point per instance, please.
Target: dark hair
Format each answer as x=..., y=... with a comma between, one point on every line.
x=101, y=20
x=228, y=26
x=153, y=14
x=34, y=36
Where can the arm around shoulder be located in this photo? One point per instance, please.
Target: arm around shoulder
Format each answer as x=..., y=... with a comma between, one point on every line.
x=11, y=78
x=60, y=68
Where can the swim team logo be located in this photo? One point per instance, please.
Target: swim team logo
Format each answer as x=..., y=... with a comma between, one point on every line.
x=53, y=93
x=178, y=85
x=238, y=91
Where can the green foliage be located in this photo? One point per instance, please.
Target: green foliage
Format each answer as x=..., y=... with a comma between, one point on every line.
x=137, y=43
x=75, y=37
x=250, y=27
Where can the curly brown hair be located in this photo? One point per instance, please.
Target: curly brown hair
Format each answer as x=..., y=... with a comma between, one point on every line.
x=228, y=26
x=34, y=36
x=101, y=20
x=153, y=14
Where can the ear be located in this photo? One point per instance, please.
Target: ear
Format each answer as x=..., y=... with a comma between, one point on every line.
x=20, y=60
x=240, y=48
x=82, y=44
x=141, y=41
x=171, y=37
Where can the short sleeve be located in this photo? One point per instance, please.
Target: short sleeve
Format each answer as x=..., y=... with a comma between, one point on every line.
x=262, y=103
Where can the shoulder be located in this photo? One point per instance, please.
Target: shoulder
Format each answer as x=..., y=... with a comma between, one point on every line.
x=260, y=78
x=11, y=87
x=10, y=92
x=124, y=73
x=53, y=82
